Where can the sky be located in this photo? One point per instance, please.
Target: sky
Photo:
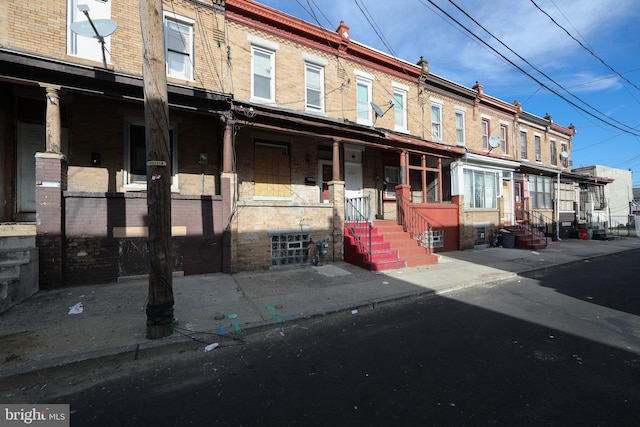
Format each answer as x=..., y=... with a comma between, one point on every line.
x=578, y=60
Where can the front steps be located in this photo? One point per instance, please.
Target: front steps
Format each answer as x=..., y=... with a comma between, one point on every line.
x=18, y=264
x=391, y=247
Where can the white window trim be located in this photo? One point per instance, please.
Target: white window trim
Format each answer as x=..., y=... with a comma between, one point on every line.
x=272, y=82
x=264, y=44
x=315, y=60
x=462, y=111
x=402, y=90
x=319, y=68
x=366, y=79
x=74, y=15
x=184, y=21
x=136, y=186
x=440, y=104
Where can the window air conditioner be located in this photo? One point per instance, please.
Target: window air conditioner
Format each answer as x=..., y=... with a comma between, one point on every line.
x=538, y=157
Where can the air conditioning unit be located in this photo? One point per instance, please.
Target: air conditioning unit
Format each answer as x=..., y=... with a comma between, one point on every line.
x=538, y=157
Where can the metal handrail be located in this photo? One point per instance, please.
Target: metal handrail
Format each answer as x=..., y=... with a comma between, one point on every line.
x=535, y=224
x=416, y=224
x=359, y=223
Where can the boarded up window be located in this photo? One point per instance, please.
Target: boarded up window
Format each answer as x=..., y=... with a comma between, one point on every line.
x=272, y=171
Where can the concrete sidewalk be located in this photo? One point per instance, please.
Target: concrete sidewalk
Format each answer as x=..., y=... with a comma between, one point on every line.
x=40, y=333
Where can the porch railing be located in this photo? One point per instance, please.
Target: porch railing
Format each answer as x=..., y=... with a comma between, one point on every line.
x=538, y=224
x=359, y=222
x=416, y=224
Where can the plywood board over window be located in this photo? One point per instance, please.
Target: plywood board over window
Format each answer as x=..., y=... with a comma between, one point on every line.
x=272, y=170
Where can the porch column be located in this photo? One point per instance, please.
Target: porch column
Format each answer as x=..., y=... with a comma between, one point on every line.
x=53, y=123
x=336, y=160
x=336, y=197
x=227, y=144
x=51, y=182
x=403, y=166
x=228, y=179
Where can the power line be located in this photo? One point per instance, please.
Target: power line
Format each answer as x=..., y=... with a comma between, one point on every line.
x=554, y=91
x=583, y=46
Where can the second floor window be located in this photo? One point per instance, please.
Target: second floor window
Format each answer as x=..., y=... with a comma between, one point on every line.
x=565, y=160
x=554, y=153
x=400, y=109
x=523, y=145
x=263, y=74
x=485, y=134
x=314, y=81
x=363, y=88
x=178, y=33
x=460, y=137
x=536, y=140
x=436, y=122
x=503, y=139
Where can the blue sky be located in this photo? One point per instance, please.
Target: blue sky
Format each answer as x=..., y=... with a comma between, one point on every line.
x=600, y=75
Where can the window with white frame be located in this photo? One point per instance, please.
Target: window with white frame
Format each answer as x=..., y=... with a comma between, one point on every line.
x=460, y=131
x=178, y=34
x=364, y=88
x=436, y=122
x=400, y=107
x=314, y=83
x=480, y=189
x=485, y=134
x=135, y=168
x=536, y=140
x=504, y=143
x=540, y=191
x=523, y=145
x=554, y=152
x=87, y=47
x=262, y=74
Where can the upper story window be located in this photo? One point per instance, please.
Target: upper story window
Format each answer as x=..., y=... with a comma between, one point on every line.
x=314, y=83
x=523, y=145
x=554, y=152
x=536, y=140
x=400, y=107
x=565, y=160
x=460, y=130
x=82, y=46
x=263, y=70
x=178, y=34
x=436, y=121
x=504, y=143
x=364, y=87
x=485, y=134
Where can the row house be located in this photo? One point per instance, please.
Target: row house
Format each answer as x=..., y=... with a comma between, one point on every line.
x=291, y=144
x=72, y=136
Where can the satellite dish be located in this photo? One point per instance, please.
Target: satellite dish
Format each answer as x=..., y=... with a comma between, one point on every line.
x=494, y=141
x=564, y=155
x=377, y=109
x=103, y=28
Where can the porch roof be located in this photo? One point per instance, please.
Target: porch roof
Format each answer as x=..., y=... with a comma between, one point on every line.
x=323, y=127
x=27, y=69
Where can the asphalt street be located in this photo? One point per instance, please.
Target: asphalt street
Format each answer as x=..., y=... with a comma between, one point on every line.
x=560, y=348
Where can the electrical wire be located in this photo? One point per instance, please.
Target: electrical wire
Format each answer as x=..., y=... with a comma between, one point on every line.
x=554, y=91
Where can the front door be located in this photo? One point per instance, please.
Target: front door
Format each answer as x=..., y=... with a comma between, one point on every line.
x=352, y=180
x=518, y=196
x=31, y=140
x=325, y=174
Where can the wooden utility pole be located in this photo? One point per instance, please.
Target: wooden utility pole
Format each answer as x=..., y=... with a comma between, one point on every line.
x=156, y=118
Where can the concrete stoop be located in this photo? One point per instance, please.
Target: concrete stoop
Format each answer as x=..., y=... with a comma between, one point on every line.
x=18, y=269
